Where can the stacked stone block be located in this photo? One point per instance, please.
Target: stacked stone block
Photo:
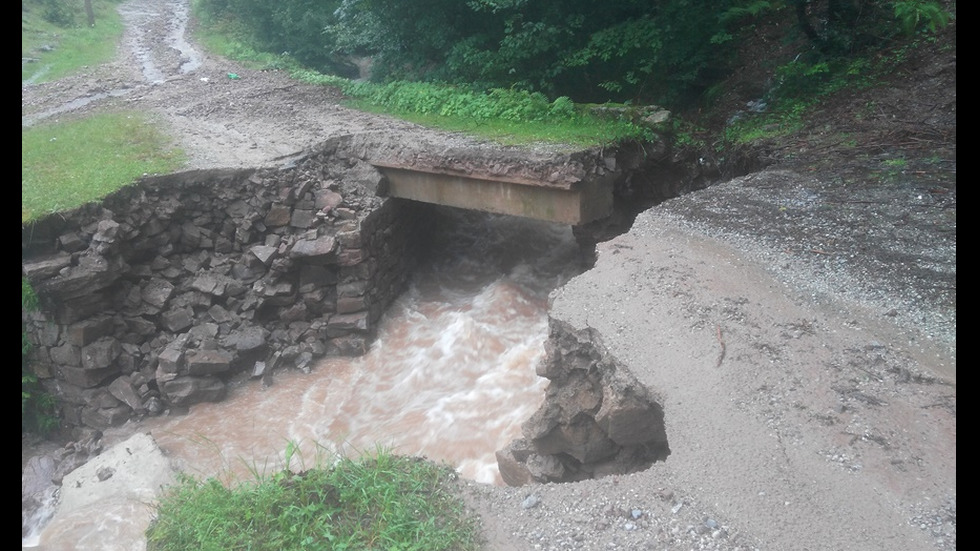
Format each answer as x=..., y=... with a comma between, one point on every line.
x=157, y=297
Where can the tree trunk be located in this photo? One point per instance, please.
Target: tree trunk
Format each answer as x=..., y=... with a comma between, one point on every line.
x=89, y=13
x=804, y=21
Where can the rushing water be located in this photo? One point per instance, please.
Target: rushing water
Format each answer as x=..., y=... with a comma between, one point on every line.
x=451, y=375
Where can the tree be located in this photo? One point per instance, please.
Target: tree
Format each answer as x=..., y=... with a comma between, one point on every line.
x=89, y=13
x=639, y=50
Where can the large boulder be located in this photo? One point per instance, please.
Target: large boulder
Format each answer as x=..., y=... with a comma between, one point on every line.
x=596, y=419
x=115, y=487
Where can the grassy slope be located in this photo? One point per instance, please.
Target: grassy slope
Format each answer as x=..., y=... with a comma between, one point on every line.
x=50, y=51
x=66, y=164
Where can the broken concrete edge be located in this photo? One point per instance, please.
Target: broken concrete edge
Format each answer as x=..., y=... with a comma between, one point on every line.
x=542, y=165
x=596, y=420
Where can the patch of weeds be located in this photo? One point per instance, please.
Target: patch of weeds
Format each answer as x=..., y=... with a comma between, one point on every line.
x=868, y=111
x=378, y=501
x=686, y=135
x=920, y=16
x=54, y=43
x=893, y=171
x=38, y=412
x=786, y=118
x=509, y=116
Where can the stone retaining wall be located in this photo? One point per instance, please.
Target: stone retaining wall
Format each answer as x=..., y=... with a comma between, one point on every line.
x=156, y=297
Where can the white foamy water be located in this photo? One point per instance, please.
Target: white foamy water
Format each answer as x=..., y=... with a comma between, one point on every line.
x=451, y=375
x=448, y=379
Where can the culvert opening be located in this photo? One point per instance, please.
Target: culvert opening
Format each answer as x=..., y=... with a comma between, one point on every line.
x=583, y=415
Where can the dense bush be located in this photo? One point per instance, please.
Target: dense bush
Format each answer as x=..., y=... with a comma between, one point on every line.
x=382, y=501
x=293, y=27
x=663, y=51
x=618, y=50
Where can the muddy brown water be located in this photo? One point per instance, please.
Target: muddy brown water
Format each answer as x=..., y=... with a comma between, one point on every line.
x=451, y=375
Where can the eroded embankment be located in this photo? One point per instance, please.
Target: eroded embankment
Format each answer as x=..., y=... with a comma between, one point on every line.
x=168, y=290
x=596, y=420
x=156, y=297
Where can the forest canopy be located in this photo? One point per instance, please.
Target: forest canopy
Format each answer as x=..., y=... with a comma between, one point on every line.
x=645, y=51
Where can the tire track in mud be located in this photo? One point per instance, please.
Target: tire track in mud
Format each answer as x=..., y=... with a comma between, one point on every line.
x=154, y=41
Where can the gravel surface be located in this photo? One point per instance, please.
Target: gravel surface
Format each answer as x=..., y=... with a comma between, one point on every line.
x=797, y=324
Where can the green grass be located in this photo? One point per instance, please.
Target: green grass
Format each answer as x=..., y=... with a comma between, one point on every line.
x=37, y=407
x=786, y=118
x=582, y=132
x=58, y=51
x=509, y=117
x=67, y=164
x=383, y=501
x=228, y=38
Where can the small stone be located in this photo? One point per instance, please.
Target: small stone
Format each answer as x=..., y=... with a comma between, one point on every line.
x=154, y=405
x=636, y=513
x=530, y=501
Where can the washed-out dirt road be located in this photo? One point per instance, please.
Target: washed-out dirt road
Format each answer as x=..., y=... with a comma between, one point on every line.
x=797, y=323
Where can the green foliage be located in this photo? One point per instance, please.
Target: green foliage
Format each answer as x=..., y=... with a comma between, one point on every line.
x=67, y=164
x=842, y=27
x=55, y=51
x=816, y=74
x=913, y=15
x=895, y=163
x=562, y=108
x=506, y=115
x=382, y=501
x=685, y=135
x=747, y=9
x=799, y=78
x=742, y=15
x=785, y=118
x=28, y=298
x=590, y=52
x=285, y=28
x=667, y=52
x=59, y=12
x=37, y=407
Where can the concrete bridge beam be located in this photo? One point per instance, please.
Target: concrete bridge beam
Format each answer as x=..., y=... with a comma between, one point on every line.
x=574, y=204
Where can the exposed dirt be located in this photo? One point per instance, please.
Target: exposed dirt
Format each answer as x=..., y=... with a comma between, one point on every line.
x=798, y=323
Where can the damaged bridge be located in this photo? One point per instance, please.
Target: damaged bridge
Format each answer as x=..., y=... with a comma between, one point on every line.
x=572, y=201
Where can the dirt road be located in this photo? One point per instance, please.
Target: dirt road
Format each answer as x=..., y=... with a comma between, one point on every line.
x=803, y=350
x=221, y=113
